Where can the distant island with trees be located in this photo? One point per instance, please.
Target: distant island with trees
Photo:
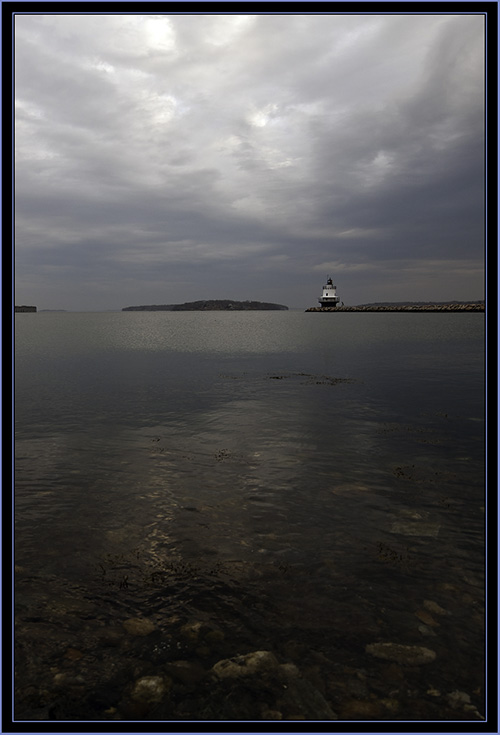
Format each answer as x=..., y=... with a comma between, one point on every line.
x=212, y=305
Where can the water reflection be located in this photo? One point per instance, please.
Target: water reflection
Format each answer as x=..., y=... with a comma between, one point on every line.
x=228, y=483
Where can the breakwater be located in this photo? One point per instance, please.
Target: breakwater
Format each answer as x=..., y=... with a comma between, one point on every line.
x=20, y=309
x=426, y=307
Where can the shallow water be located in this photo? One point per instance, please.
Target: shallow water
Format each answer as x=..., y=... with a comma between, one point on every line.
x=302, y=483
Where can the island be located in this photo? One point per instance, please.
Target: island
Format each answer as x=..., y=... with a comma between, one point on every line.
x=19, y=309
x=212, y=305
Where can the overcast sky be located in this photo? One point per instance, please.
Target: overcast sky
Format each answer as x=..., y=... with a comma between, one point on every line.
x=170, y=158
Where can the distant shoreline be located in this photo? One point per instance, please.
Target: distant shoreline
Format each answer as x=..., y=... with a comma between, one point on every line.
x=475, y=306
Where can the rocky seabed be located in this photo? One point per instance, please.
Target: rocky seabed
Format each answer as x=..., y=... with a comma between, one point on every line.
x=157, y=668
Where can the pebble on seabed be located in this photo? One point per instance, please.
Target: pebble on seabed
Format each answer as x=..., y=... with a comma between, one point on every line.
x=409, y=655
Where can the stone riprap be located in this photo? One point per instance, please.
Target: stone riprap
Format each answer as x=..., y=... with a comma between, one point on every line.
x=426, y=307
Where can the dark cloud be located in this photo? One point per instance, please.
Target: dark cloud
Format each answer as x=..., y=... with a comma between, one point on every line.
x=163, y=158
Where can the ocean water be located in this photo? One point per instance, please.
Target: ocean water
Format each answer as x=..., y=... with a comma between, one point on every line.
x=304, y=483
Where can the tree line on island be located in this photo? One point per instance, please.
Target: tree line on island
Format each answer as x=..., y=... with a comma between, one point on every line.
x=211, y=305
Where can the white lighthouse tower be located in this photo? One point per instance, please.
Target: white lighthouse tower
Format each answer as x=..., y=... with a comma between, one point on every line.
x=329, y=296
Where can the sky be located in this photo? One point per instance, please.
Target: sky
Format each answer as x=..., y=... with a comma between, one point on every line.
x=169, y=158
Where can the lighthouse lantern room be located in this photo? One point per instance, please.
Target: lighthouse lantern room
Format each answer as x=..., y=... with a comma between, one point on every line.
x=329, y=296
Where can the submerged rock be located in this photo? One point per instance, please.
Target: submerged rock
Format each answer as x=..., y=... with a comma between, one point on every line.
x=192, y=631
x=426, y=630
x=434, y=607
x=256, y=685
x=356, y=709
x=66, y=679
x=427, y=618
x=139, y=626
x=187, y=672
x=271, y=714
x=111, y=636
x=457, y=699
x=150, y=689
x=404, y=655
x=144, y=697
x=251, y=663
x=416, y=528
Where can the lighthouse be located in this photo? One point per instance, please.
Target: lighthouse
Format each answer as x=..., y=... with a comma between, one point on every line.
x=329, y=296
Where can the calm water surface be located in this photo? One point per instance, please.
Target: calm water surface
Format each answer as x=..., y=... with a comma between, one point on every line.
x=293, y=479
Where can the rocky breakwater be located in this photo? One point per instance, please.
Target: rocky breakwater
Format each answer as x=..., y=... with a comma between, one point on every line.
x=21, y=309
x=476, y=307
